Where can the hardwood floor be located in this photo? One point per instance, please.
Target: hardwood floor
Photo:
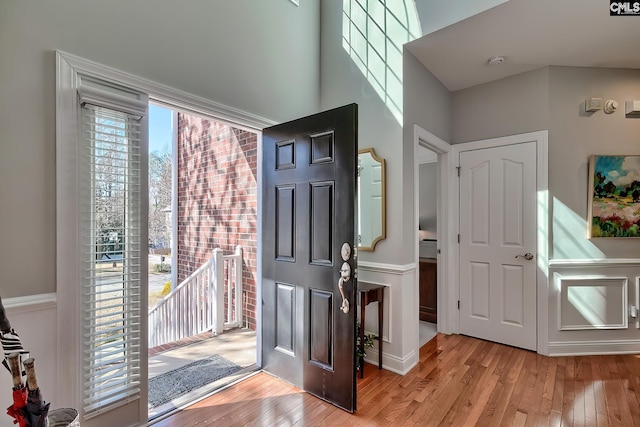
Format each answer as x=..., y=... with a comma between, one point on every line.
x=459, y=381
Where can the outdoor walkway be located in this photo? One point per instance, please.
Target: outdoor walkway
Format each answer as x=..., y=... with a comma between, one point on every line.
x=236, y=345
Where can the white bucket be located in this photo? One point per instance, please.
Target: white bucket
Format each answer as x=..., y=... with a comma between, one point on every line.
x=64, y=417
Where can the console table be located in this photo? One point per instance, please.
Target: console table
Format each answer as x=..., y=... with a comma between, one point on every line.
x=370, y=292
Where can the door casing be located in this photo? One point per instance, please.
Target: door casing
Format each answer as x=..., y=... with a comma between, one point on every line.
x=448, y=225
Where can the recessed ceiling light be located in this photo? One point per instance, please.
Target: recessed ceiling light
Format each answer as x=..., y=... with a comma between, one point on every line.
x=496, y=60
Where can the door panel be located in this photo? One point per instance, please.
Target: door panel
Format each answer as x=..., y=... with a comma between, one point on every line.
x=497, y=227
x=286, y=319
x=321, y=222
x=309, y=194
x=321, y=338
x=285, y=232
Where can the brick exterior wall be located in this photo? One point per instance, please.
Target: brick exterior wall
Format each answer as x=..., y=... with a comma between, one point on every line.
x=217, y=199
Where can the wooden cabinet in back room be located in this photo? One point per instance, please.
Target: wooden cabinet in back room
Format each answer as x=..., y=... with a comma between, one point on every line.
x=428, y=290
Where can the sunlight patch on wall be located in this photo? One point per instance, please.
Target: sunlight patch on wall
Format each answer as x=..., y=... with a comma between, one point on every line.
x=570, y=235
x=373, y=32
x=543, y=230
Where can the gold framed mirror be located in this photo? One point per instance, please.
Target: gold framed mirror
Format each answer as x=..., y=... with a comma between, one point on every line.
x=372, y=205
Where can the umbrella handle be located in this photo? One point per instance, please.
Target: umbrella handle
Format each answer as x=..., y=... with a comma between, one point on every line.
x=32, y=381
x=16, y=372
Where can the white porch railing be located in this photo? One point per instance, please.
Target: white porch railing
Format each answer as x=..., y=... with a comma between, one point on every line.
x=210, y=299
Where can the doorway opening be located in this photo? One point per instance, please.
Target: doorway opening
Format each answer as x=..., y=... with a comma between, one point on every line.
x=203, y=205
x=427, y=189
x=446, y=296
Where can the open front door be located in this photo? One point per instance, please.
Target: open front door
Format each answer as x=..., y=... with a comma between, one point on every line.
x=309, y=193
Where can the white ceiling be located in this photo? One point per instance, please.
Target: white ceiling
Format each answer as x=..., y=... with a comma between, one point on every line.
x=530, y=34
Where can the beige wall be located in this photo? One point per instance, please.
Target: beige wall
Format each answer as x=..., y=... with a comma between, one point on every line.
x=575, y=135
x=509, y=106
x=259, y=57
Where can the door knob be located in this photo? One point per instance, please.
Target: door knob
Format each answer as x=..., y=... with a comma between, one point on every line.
x=528, y=256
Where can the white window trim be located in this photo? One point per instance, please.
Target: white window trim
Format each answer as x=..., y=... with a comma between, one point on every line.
x=69, y=70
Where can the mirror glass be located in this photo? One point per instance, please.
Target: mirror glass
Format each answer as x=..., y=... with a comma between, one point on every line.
x=371, y=199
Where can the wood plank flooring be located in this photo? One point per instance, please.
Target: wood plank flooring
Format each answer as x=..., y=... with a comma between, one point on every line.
x=459, y=381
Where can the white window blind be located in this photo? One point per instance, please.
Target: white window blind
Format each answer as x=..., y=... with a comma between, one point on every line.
x=110, y=230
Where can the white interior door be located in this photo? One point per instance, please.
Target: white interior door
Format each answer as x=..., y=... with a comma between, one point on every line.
x=498, y=244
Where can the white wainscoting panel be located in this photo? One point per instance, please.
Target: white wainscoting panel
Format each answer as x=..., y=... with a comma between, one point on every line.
x=400, y=323
x=591, y=305
x=34, y=320
x=592, y=302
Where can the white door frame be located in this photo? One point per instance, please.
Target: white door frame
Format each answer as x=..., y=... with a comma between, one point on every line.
x=542, y=216
x=447, y=295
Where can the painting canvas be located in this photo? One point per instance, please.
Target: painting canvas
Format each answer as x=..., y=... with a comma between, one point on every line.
x=614, y=196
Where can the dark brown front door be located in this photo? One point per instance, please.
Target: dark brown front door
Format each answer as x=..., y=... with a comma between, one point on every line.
x=309, y=193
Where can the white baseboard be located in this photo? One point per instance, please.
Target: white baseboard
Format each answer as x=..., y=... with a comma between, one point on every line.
x=590, y=348
x=393, y=363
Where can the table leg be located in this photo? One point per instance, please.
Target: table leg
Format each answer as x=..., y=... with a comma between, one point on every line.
x=380, y=308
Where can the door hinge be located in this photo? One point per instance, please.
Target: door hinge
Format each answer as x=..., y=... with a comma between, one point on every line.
x=458, y=168
x=458, y=238
x=458, y=304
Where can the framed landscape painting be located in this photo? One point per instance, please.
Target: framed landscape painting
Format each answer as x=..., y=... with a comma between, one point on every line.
x=614, y=196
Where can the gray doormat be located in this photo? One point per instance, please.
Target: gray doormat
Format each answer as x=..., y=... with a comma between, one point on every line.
x=166, y=387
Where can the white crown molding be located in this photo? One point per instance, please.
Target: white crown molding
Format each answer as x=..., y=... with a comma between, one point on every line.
x=167, y=95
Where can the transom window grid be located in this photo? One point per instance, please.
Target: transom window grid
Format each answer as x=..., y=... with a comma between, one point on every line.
x=373, y=32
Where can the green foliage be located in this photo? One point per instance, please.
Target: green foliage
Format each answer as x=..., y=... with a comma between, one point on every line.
x=608, y=189
x=368, y=343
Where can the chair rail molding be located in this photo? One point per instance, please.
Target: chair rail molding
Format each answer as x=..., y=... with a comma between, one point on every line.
x=377, y=267
x=30, y=303
x=595, y=262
